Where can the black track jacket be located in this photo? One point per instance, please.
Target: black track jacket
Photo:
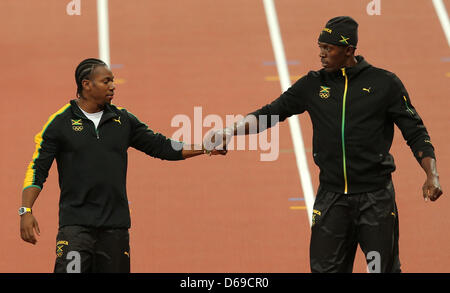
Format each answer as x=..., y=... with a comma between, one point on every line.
x=353, y=112
x=92, y=164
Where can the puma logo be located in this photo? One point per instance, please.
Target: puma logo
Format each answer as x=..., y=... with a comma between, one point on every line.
x=366, y=89
x=117, y=120
x=126, y=253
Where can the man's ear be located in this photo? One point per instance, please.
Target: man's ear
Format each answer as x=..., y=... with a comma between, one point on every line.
x=349, y=51
x=86, y=83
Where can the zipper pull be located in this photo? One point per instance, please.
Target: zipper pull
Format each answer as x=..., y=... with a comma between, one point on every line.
x=343, y=71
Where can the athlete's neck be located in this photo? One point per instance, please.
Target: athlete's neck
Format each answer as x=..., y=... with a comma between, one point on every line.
x=350, y=62
x=89, y=106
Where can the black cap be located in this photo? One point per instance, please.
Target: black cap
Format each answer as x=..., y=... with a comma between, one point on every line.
x=341, y=31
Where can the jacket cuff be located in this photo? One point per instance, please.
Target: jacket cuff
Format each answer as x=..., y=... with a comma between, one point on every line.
x=33, y=185
x=177, y=151
x=423, y=154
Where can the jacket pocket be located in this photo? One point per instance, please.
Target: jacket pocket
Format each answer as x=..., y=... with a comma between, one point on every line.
x=386, y=163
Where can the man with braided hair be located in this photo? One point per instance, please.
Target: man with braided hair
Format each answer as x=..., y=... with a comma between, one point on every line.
x=89, y=138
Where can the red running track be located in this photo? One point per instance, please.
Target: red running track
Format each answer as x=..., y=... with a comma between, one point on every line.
x=221, y=214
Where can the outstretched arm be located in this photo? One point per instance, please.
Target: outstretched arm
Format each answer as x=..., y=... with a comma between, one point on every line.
x=293, y=101
x=190, y=151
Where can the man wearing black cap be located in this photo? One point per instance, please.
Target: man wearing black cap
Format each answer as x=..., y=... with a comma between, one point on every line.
x=353, y=108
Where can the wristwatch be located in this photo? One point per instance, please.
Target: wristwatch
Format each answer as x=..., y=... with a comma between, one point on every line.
x=24, y=210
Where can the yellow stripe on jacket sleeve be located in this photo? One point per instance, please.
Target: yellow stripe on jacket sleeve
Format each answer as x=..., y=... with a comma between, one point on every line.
x=31, y=171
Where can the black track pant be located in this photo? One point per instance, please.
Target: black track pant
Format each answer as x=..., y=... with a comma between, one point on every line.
x=82, y=249
x=342, y=221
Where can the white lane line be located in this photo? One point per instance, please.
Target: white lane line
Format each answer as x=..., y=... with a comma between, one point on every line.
x=103, y=30
x=441, y=11
x=294, y=123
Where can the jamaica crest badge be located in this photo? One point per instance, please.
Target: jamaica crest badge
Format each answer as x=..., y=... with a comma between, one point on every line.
x=324, y=92
x=60, y=247
x=77, y=125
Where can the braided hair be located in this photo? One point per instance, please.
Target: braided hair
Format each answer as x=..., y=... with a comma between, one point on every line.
x=84, y=71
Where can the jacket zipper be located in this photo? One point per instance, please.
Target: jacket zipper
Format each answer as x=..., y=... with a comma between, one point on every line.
x=344, y=159
x=95, y=128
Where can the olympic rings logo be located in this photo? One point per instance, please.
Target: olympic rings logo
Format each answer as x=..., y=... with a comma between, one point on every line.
x=77, y=128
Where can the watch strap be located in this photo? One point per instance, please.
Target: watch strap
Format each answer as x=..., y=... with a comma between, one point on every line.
x=24, y=210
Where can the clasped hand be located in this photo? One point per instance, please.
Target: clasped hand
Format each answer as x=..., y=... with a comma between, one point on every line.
x=216, y=141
